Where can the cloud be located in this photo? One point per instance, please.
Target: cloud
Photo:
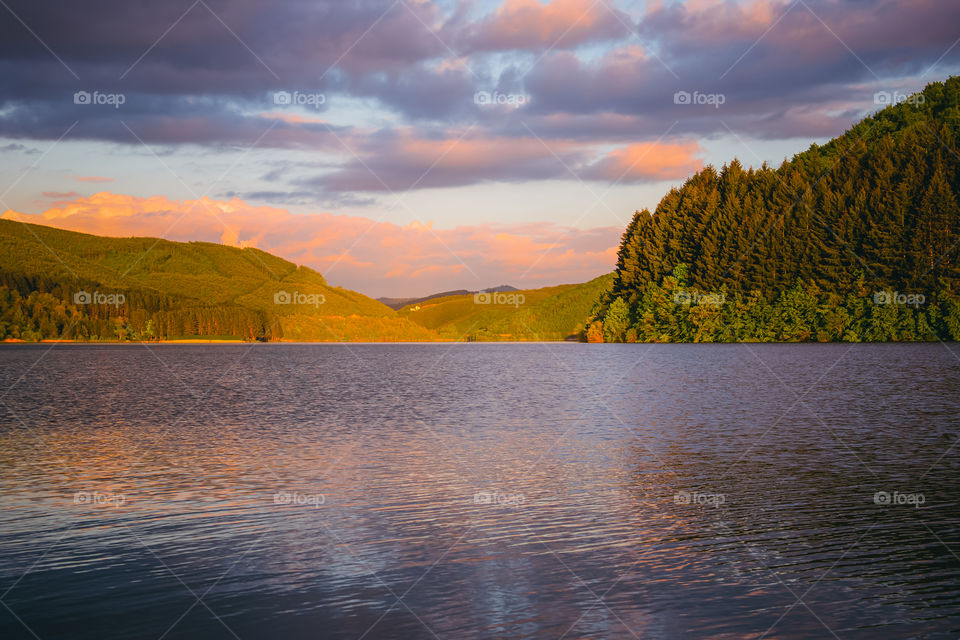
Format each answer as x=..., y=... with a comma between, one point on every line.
x=405, y=160
x=783, y=72
x=648, y=161
x=799, y=35
x=218, y=45
x=375, y=257
x=60, y=195
x=168, y=120
x=786, y=70
x=92, y=179
x=14, y=146
x=202, y=84
x=531, y=25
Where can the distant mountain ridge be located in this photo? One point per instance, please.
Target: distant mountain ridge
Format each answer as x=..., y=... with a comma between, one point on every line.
x=548, y=313
x=399, y=303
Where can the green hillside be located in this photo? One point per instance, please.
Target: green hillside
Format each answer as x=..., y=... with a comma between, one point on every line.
x=549, y=313
x=853, y=240
x=173, y=290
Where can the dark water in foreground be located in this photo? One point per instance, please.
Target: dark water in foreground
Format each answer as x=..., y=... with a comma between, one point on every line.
x=480, y=491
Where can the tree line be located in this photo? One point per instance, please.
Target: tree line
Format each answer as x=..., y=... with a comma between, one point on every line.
x=672, y=311
x=34, y=308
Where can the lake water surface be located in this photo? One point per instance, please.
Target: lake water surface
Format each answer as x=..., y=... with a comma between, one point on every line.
x=479, y=491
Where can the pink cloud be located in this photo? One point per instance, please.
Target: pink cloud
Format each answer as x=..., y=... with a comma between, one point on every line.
x=374, y=257
x=92, y=179
x=530, y=25
x=648, y=160
x=805, y=33
x=407, y=160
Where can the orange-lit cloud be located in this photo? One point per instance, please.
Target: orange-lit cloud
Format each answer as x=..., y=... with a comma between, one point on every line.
x=374, y=257
x=408, y=160
x=746, y=19
x=529, y=24
x=92, y=179
x=649, y=161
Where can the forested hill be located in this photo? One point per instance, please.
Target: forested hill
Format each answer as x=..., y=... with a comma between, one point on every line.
x=874, y=210
x=57, y=284
x=506, y=313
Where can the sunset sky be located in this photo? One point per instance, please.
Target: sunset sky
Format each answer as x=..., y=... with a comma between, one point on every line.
x=437, y=145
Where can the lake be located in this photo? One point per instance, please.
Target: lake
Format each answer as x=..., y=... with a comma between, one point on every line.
x=480, y=491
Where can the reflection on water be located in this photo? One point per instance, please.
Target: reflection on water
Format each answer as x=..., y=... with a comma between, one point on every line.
x=480, y=491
